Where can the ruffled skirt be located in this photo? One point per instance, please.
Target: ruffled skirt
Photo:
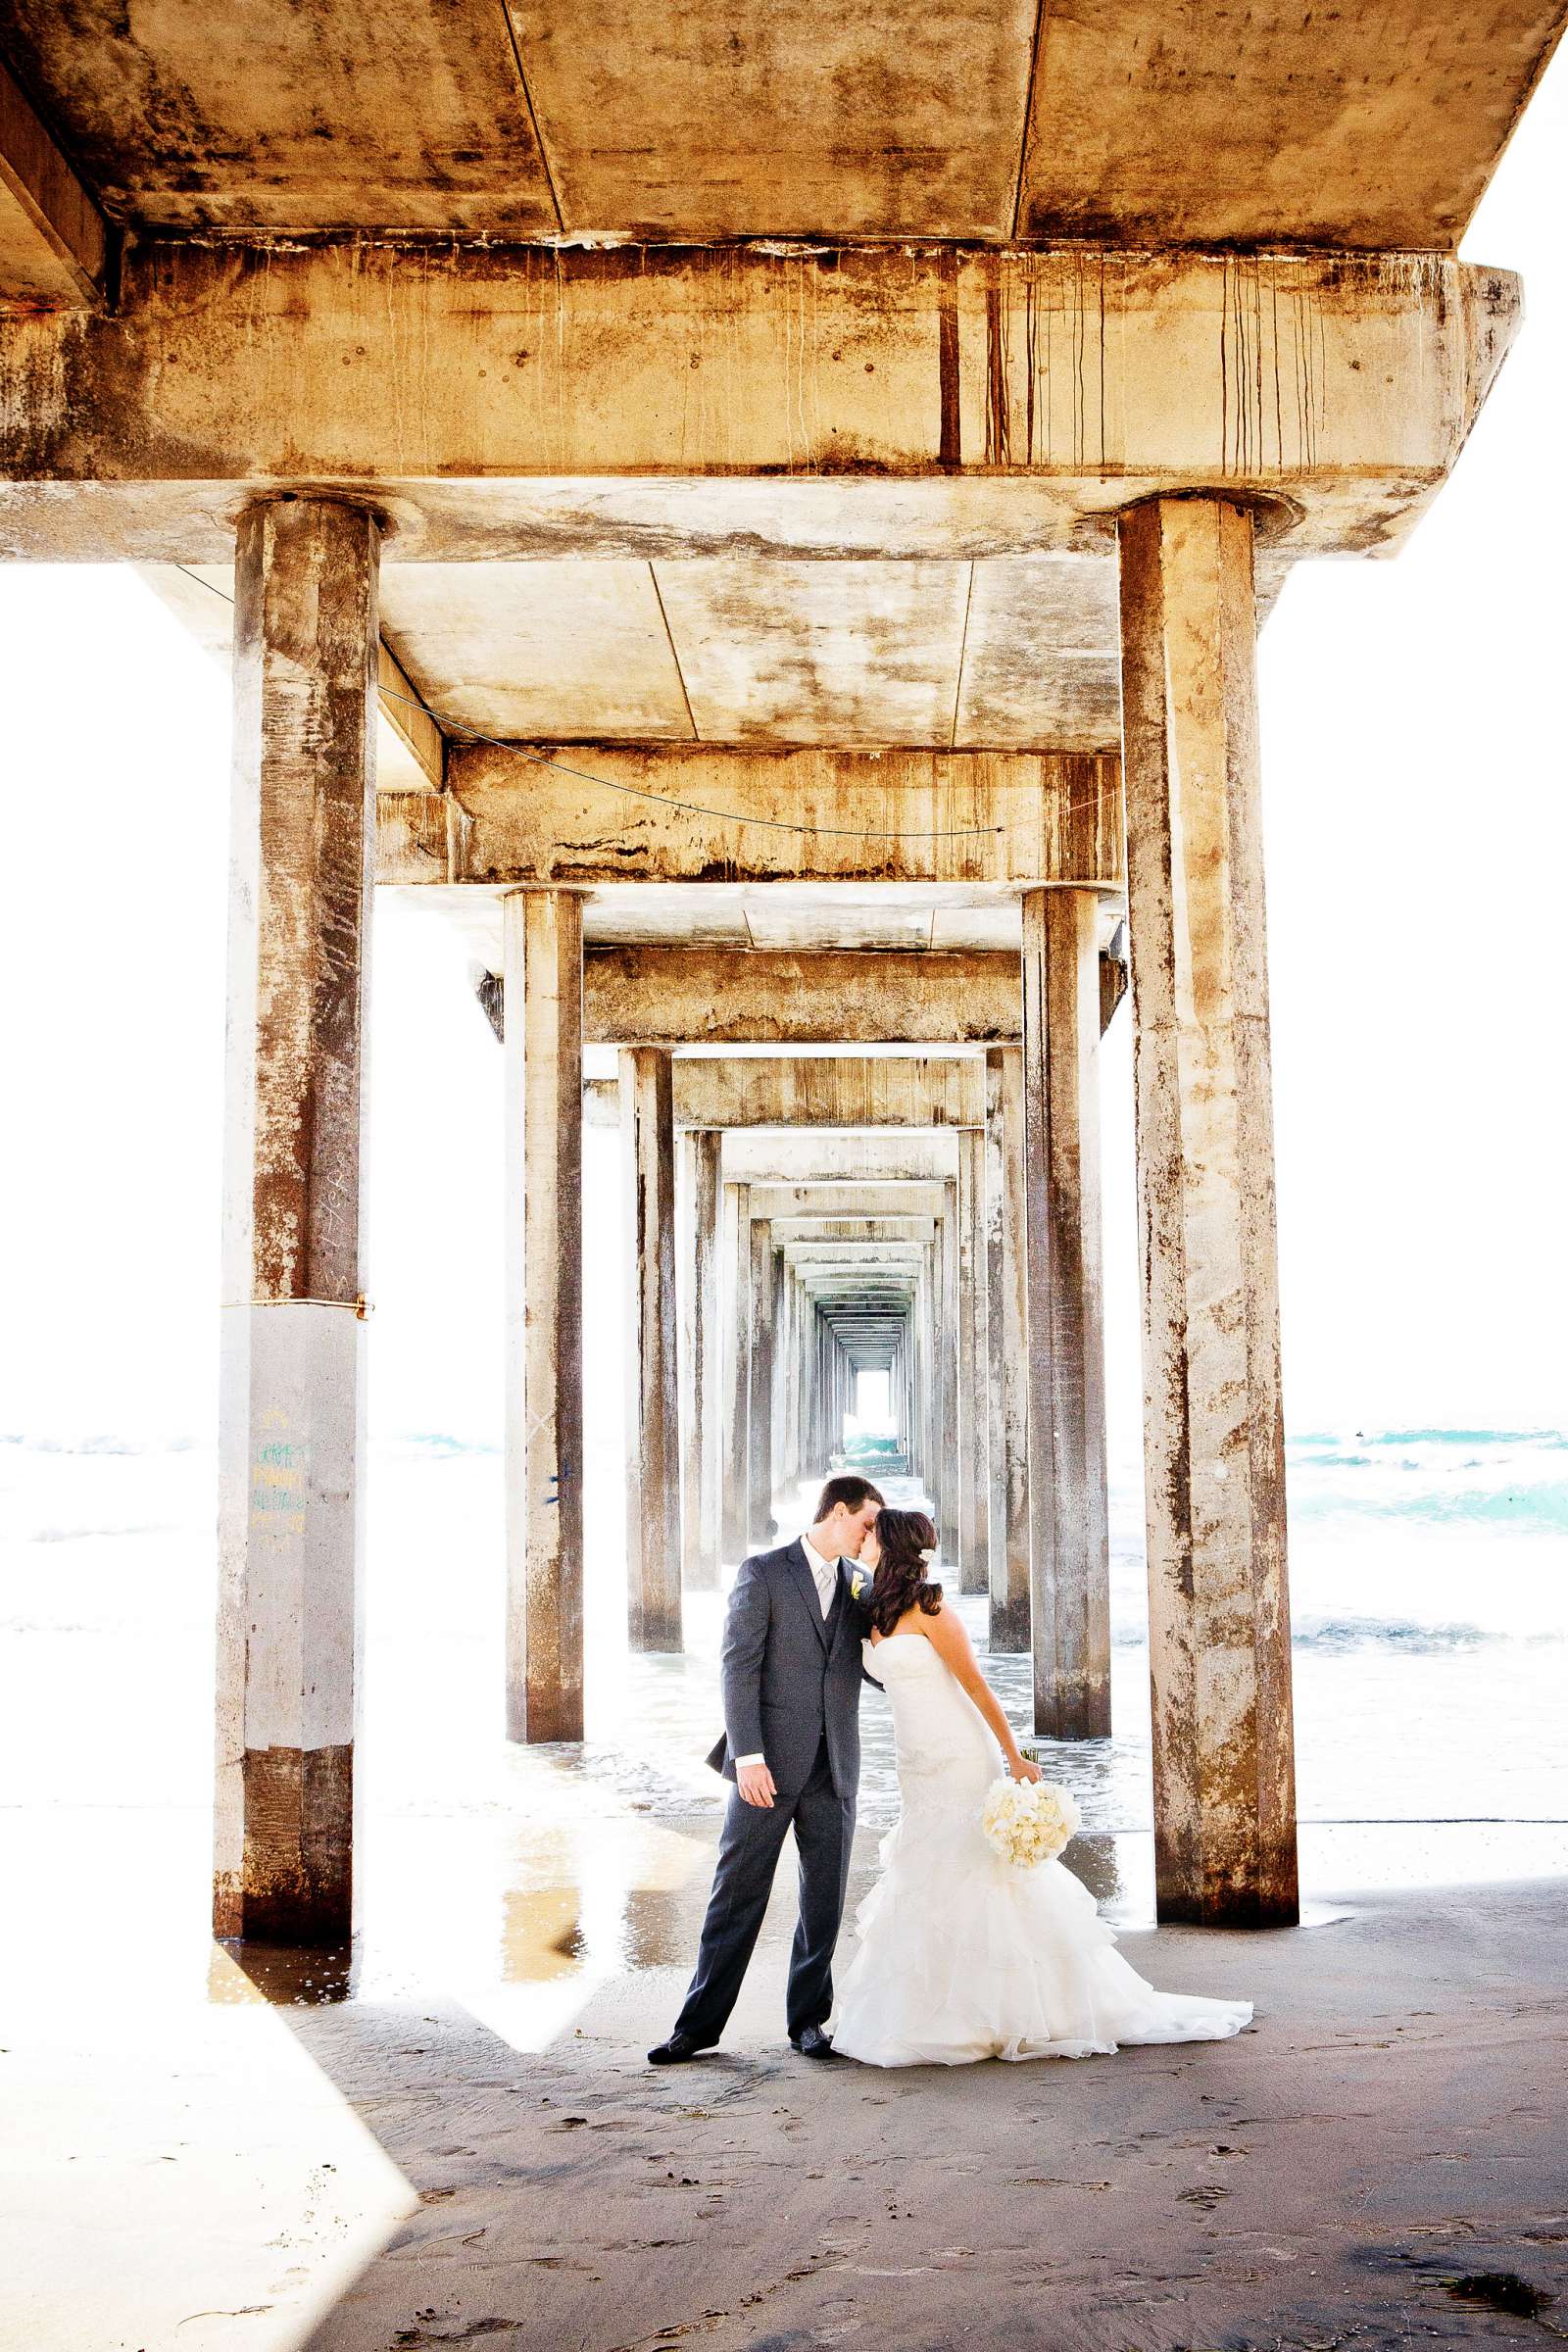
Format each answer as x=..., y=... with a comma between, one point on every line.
x=960, y=1956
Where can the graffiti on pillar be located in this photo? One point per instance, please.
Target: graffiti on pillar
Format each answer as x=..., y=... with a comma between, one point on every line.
x=280, y=1466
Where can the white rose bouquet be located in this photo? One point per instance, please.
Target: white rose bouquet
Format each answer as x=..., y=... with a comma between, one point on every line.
x=1029, y=1822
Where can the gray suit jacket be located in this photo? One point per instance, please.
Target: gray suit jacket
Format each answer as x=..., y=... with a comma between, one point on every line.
x=790, y=1678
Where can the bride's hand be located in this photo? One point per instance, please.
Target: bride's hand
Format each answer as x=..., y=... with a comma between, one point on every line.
x=1021, y=1768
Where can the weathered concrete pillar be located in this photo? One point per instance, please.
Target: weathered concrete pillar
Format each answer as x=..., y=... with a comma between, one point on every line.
x=901, y=1389
x=700, y=1509
x=1008, y=1344
x=736, y=1515
x=653, y=1398
x=936, y=1436
x=1069, y=1540
x=791, y=1383
x=542, y=978
x=974, y=1501
x=947, y=1339
x=780, y=1386
x=760, y=1407
x=292, y=1357
x=1214, y=1448
x=918, y=1417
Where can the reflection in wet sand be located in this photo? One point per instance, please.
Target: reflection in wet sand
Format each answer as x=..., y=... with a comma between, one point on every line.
x=599, y=1894
x=541, y=1935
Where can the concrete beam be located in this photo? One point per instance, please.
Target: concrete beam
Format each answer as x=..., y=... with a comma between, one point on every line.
x=693, y=995
x=713, y=995
x=853, y=1229
x=54, y=242
x=811, y=1156
x=850, y=1257
x=549, y=399
x=404, y=711
x=411, y=749
x=837, y=1091
x=1018, y=818
x=846, y=1198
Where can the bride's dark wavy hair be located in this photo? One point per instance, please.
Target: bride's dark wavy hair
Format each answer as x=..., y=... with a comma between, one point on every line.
x=901, y=1583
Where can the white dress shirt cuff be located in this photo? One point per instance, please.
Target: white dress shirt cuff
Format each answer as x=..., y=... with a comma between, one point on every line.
x=740, y=1761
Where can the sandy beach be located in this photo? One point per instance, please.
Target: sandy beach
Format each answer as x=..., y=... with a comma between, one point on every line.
x=452, y=2135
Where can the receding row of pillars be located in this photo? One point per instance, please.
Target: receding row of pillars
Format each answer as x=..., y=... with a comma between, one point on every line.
x=1027, y=1336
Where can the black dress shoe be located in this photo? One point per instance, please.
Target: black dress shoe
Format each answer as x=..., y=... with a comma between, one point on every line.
x=814, y=2043
x=677, y=2050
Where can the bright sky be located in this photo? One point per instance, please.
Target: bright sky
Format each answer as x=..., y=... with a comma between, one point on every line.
x=1414, y=777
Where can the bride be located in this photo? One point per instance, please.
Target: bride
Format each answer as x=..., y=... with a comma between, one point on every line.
x=960, y=1955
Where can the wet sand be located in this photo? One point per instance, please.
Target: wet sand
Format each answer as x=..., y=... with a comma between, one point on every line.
x=457, y=2138
x=453, y=2136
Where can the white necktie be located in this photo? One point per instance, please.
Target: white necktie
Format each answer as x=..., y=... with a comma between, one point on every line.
x=825, y=1581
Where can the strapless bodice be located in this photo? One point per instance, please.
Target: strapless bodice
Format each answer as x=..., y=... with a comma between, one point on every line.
x=937, y=1728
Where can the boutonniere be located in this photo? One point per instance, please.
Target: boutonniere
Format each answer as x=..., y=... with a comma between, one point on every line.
x=859, y=1583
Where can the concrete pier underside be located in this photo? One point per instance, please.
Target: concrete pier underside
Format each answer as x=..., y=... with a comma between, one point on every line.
x=804, y=493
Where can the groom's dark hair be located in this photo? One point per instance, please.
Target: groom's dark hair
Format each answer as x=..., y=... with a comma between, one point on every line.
x=851, y=1491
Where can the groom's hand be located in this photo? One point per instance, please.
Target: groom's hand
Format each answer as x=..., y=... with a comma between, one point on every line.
x=756, y=1784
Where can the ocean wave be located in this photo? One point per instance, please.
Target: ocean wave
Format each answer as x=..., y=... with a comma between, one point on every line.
x=104, y=1444
x=1520, y=1508
x=1333, y=1635
x=1549, y=1438
x=1404, y=1637
x=85, y=1535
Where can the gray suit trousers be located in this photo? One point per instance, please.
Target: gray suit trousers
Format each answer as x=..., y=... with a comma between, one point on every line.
x=748, y=1856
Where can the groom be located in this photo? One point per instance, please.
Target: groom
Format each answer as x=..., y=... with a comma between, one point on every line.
x=791, y=1663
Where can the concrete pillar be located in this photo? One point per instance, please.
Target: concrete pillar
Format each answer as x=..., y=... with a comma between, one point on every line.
x=1214, y=1448
x=737, y=1372
x=780, y=1386
x=292, y=1354
x=899, y=1385
x=542, y=978
x=819, y=1400
x=700, y=1483
x=791, y=1380
x=1007, y=1343
x=936, y=1448
x=760, y=1407
x=946, y=1341
x=653, y=1400
x=917, y=1397
x=974, y=1501
x=1069, y=1539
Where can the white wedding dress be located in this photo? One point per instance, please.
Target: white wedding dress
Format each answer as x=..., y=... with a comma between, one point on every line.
x=962, y=1956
